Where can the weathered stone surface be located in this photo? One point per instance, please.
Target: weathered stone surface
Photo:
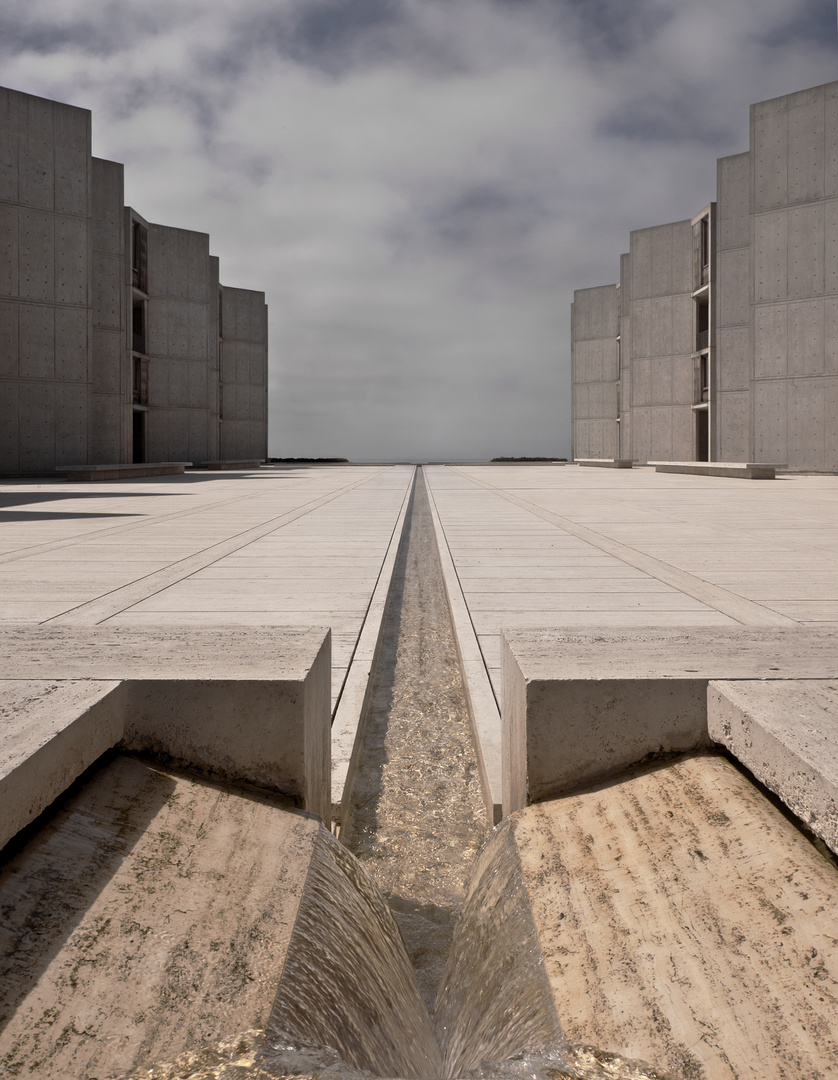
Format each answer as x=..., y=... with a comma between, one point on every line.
x=578, y=707
x=685, y=921
x=49, y=733
x=150, y=914
x=786, y=733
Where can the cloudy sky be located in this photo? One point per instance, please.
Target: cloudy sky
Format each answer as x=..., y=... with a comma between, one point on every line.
x=418, y=185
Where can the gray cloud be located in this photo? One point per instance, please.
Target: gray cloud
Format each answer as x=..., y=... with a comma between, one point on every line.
x=418, y=185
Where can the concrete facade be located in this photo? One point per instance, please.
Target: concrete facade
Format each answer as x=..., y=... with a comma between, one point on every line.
x=728, y=331
x=243, y=363
x=109, y=325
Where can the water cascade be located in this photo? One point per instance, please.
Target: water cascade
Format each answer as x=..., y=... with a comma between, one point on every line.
x=414, y=953
x=347, y=982
x=415, y=820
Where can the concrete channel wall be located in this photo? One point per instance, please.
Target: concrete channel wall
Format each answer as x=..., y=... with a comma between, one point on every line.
x=248, y=707
x=580, y=708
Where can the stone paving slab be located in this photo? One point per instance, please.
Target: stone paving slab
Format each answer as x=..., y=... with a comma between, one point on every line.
x=282, y=547
x=577, y=550
x=579, y=707
x=242, y=705
x=684, y=920
x=786, y=733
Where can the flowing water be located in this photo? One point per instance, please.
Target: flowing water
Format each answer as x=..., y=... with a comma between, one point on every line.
x=346, y=975
x=416, y=956
x=416, y=817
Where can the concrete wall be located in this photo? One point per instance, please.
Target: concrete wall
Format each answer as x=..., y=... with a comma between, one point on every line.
x=731, y=378
x=773, y=306
x=595, y=318
x=244, y=374
x=794, y=241
x=45, y=283
x=66, y=295
x=110, y=362
x=182, y=343
x=659, y=305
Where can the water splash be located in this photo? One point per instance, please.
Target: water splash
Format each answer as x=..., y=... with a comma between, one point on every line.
x=249, y=1056
x=495, y=999
x=347, y=982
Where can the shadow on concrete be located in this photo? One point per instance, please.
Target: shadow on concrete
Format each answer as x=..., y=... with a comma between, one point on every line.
x=53, y=870
x=25, y=498
x=59, y=515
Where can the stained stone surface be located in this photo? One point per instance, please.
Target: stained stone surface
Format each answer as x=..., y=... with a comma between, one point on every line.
x=686, y=921
x=152, y=912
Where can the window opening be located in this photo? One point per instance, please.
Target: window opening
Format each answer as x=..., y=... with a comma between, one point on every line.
x=139, y=256
x=138, y=337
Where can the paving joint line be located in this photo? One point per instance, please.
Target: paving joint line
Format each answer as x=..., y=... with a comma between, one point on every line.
x=54, y=545
x=743, y=611
x=126, y=596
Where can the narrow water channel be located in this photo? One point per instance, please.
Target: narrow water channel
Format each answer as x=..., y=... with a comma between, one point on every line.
x=417, y=818
x=347, y=1007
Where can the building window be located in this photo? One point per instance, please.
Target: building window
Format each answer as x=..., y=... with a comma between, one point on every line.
x=140, y=394
x=138, y=334
x=704, y=377
x=702, y=324
x=139, y=256
x=701, y=252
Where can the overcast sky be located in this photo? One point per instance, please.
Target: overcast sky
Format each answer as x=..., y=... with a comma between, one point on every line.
x=418, y=185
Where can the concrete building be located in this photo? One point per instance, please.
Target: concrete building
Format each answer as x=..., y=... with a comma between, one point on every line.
x=111, y=326
x=720, y=339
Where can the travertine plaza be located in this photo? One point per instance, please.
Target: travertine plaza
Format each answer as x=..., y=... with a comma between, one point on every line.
x=257, y=722
x=612, y=617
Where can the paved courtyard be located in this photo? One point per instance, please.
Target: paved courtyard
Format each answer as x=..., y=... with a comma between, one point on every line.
x=574, y=547
x=522, y=547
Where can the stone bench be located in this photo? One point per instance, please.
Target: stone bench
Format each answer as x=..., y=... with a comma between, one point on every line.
x=605, y=463
x=579, y=708
x=221, y=466
x=123, y=472
x=237, y=704
x=742, y=470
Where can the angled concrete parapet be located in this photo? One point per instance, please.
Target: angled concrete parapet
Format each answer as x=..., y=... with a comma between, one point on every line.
x=581, y=707
x=786, y=733
x=237, y=704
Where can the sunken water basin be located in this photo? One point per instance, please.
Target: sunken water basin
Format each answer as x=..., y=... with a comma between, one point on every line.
x=674, y=916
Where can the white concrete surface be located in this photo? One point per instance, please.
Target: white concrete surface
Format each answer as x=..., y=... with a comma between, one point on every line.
x=786, y=733
x=50, y=731
x=596, y=550
x=278, y=547
x=737, y=470
x=236, y=705
x=579, y=708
